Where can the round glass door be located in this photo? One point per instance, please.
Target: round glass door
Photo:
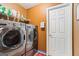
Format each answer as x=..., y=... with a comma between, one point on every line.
x=11, y=38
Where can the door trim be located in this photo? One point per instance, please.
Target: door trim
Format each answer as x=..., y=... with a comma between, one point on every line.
x=54, y=7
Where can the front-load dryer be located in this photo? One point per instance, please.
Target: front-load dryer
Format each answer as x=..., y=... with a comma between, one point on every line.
x=22, y=25
x=29, y=37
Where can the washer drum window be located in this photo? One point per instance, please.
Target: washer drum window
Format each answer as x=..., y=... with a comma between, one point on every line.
x=11, y=38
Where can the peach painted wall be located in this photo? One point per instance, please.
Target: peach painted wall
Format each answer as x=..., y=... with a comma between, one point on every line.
x=17, y=7
x=36, y=14
x=76, y=32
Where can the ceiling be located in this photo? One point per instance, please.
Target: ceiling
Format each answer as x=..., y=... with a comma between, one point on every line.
x=28, y=5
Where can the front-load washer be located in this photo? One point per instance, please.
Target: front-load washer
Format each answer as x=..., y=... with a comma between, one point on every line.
x=12, y=40
x=20, y=51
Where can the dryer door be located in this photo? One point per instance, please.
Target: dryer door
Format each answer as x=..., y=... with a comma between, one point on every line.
x=29, y=44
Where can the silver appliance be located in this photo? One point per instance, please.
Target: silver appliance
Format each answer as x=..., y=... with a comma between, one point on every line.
x=29, y=37
x=11, y=38
x=23, y=25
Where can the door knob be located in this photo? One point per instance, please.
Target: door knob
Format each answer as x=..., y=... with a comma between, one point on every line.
x=49, y=35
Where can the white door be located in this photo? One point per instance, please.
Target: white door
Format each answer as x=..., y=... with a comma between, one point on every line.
x=59, y=30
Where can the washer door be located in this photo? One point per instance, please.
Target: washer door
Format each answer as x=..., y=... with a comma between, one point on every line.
x=13, y=39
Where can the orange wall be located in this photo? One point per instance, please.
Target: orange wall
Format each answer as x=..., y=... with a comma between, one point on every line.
x=16, y=7
x=36, y=14
x=76, y=32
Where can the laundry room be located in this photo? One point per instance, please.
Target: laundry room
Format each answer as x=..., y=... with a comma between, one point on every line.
x=39, y=29
x=24, y=28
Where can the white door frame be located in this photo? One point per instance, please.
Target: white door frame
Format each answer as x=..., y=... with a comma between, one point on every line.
x=60, y=5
